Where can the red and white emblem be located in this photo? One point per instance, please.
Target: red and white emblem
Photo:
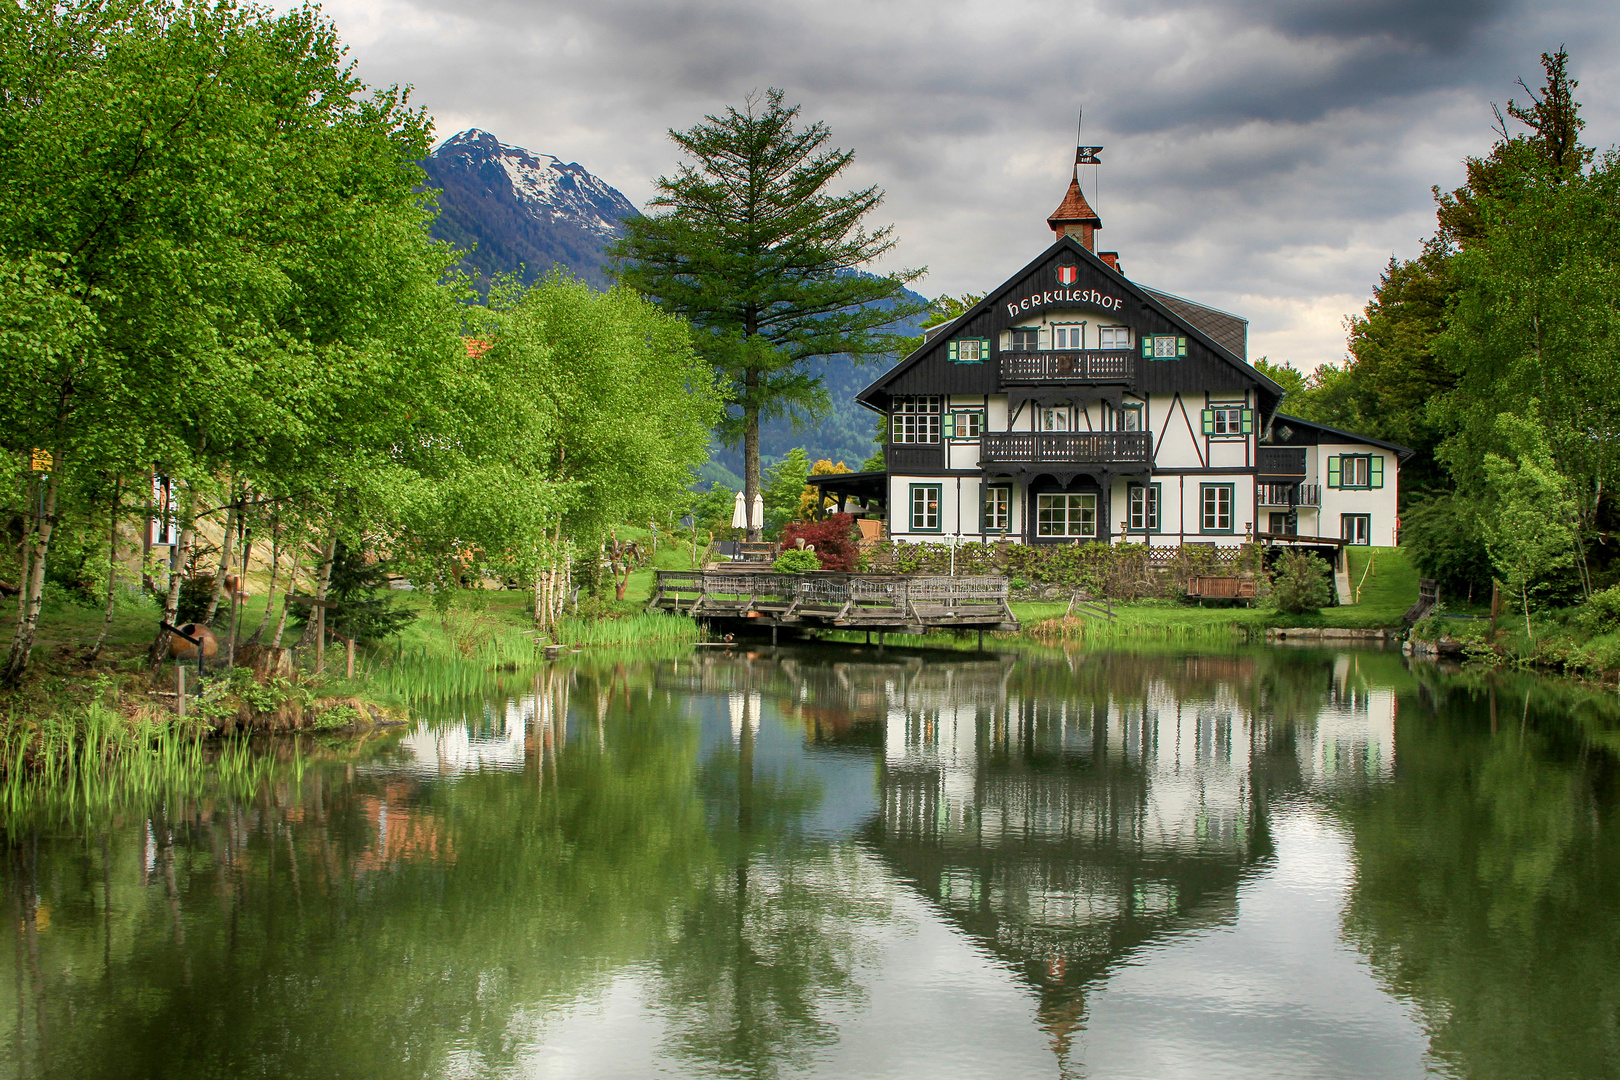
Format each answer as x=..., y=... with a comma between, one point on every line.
x=1067, y=275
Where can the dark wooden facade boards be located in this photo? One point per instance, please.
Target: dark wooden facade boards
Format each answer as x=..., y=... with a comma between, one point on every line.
x=1209, y=368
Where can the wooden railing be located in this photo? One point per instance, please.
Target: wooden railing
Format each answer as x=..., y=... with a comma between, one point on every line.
x=1109, y=366
x=839, y=597
x=1290, y=494
x=1281, y=461
x=1066, y=447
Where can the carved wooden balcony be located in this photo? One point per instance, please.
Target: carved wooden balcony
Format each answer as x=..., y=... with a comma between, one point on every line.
x=1066, y=447
x=1088, y=366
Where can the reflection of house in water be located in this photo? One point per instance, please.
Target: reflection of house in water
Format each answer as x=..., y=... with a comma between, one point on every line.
x=1067, y=815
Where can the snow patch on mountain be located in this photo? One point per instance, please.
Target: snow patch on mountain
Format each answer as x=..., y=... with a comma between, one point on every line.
x=549, y=188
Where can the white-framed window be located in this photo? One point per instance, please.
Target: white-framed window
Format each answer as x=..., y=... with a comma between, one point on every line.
x=965, y=424
x=1356, y=528
x=1355, y=471
x=1144, y=508
x=1069, y=336
x=1226, y=420
x=1129, y=418
x=1055, y=419
x=1281, y=523
x=997, y=512
x=1216, y=500
x=1024, y=338
x=915, y=419
x=1114, y=337
x=1165, y=346
x=1066, y=515
x=925, y=508
x=968, y=350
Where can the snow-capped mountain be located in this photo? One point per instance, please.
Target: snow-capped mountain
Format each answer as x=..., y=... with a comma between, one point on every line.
x=510, y=207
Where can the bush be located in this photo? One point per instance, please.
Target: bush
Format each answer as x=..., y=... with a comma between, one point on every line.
x=796, y=561
x=1601, y=613
x=1443, y=538
x=836, y=540
x=1302, y=582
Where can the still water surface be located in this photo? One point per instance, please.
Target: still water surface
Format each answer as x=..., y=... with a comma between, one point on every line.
x=832, y=862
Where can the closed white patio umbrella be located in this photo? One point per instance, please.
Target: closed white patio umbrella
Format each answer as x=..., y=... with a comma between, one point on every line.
x=739, y=518
x=757, y=519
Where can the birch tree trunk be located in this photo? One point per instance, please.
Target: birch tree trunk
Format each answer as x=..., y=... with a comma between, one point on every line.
x=32, y=585
x=112, y=574
x=270, y=592
x=226, y=544
x=171, y=599
x=323, y=579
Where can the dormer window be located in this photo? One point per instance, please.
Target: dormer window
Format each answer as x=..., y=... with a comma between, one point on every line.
x=1114, y=337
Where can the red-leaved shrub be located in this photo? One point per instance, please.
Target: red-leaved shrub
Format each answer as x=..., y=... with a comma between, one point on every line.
x=836, y=540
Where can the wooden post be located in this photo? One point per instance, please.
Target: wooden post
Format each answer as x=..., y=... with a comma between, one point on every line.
x=180, y=689
x=1496, y=604
x=351, y=656
x=320, y=640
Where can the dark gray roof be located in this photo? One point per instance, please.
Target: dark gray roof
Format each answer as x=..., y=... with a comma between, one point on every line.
x=1403, y=452
x=1229, y=331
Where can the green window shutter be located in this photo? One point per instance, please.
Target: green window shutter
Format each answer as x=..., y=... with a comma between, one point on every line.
x=1181, y=346
x=1333, y=471
x=1147, y=346
x=984, y=349
x=1209, y=421
x=1248, y=421
x=950, y=418
x=950, y=351
x=1376, y=470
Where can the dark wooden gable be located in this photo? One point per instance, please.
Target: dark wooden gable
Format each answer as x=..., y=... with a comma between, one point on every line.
x=1207, y=367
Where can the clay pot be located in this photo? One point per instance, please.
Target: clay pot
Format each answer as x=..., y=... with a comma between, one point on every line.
x=181, y=649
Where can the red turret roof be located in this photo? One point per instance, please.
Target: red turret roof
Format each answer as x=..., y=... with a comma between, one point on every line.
x=1075, y=209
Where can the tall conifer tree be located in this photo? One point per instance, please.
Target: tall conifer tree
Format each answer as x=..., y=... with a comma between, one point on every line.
x=754, y=249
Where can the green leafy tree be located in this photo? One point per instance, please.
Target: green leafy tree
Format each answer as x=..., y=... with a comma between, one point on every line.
x=766, y=261
x=1532, y=525
x=784, y=489
x=1302, y=582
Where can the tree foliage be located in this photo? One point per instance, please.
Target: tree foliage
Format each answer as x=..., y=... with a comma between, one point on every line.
x=752, y=246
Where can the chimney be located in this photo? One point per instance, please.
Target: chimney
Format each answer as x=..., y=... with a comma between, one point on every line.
x=1112, y=259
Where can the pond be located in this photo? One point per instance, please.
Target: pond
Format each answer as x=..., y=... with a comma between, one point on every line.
x=831, y=861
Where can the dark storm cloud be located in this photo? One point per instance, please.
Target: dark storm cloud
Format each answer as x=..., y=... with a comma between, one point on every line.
x=1264, y=155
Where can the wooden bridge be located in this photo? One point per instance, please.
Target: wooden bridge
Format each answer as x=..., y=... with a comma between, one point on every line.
x=892, y=603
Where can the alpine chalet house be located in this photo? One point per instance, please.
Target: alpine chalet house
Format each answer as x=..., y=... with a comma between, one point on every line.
x=1073, y=404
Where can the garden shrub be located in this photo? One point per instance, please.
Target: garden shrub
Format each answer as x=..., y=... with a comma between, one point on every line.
x=1302, y=582
x=796, y=561
x=1601, y=613
x=836, y=540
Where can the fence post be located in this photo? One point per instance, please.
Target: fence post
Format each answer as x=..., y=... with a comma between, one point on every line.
x=180, y=689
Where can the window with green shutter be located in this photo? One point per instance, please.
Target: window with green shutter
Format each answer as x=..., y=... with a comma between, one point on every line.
x=1209, y=421
x=1333, y=472
x=1227, y=421
x=965, y=425
x=1356, y=471
x=968, y=350
x=1376, y=472
x=1248, y=421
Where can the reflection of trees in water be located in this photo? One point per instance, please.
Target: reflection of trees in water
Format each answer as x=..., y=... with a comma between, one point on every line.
x=771, y=948
x=358, y=923
x=1485, y=890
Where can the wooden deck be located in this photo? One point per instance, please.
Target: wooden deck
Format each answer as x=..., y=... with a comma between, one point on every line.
x=893, y=603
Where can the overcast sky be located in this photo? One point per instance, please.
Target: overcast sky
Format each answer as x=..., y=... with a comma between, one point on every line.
x=1262, y=156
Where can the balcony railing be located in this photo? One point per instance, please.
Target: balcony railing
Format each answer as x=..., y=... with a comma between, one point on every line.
x=1109, y=366
x=1290, y=495
x=1066, y=447
x=1281, y=461
x=914, y=457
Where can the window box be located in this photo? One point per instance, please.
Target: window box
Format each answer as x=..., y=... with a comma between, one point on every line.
x=1215, y=508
